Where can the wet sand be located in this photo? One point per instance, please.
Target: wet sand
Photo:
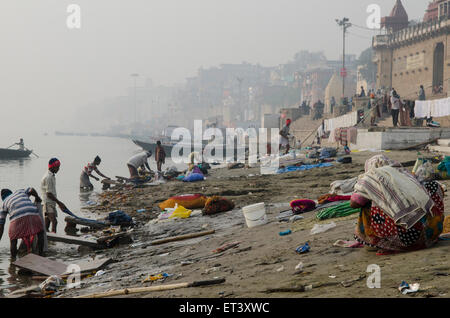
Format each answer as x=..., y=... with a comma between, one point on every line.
x=263, y=259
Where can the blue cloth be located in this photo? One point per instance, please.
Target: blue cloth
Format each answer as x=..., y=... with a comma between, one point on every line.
x=304, y=167
x=119, y=217
x=193, y=177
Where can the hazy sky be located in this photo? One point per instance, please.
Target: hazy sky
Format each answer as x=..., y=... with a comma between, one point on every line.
x=47, y=70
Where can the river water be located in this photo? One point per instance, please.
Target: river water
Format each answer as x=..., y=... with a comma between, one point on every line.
x=74, y=152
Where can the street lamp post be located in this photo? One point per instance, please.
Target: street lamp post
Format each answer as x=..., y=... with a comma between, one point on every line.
x=345, y=24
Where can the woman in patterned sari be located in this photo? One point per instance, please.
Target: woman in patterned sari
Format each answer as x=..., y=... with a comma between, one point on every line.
x=377, y=229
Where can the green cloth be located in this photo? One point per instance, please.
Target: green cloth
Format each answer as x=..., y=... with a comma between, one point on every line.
x=337, y=211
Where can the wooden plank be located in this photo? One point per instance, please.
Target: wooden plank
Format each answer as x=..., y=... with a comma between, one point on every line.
x=41, y=265
x=181, y=237
x=72, y=240
x=48, y=267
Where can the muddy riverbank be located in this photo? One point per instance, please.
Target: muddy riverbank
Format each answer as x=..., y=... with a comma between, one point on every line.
x=263, y=259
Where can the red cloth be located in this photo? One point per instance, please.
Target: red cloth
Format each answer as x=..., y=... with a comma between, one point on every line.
x=302, y=206
x=25, y=228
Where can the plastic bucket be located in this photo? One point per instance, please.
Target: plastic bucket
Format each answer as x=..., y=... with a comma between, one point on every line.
x=255, y=215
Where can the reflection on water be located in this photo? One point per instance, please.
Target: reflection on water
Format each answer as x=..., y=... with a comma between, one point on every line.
x=74, y=153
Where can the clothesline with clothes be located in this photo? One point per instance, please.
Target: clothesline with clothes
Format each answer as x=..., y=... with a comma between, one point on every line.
x=342, y=128
x=348, y=120
x=432, y=108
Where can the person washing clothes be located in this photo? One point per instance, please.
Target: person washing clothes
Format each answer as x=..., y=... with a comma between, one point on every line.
x=284, y=133
x=25, y=221
x=85, y=183
x=138, y=161
x=50, y=200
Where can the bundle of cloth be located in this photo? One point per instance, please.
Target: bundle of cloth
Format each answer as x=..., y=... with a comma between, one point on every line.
x=327, y=198
x=399, y=213
x=302, y=206
x=216, y=204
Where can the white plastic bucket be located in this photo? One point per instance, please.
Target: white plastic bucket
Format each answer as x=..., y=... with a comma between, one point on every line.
x=255, y=215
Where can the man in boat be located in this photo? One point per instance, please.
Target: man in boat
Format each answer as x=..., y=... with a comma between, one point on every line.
x=48, y=187
x=21, y=144
x=25, y=221
x=160, y=155
x=85, y=183
x=138, y=161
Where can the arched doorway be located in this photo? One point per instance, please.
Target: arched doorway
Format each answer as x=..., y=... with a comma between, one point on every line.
x=438, y=65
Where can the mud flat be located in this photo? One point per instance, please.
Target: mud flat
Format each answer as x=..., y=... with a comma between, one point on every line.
x=263, y=263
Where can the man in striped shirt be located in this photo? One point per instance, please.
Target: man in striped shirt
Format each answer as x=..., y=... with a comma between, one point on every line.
x=24, y=219
x=85, y=183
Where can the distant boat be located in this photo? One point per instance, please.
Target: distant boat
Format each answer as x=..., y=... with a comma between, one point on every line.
x=151, y=146
x=14, y=153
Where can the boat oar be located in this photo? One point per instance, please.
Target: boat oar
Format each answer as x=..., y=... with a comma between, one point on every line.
x=148, y=289
x=34, y=154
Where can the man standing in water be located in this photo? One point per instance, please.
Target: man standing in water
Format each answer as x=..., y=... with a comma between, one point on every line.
x=25, y=221
x=160, y=155
x=85, y=183
x=48, y=187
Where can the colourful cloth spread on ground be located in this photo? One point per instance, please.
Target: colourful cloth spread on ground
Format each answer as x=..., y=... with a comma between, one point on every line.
x=303, y=168
x=338, y=211
x=189, y=201
x=302, y=206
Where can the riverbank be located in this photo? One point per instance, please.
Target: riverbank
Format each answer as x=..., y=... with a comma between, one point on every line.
x=263, y=259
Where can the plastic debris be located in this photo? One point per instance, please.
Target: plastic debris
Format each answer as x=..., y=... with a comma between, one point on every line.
x=296, y=218
x=141, y=210
x=299, y=268
x=280, y=269
x=100, y=273
x=320, y=228
x=51, y=284
x=405, y=288
x=287, y=232
x=153, y=278
x=303, y=248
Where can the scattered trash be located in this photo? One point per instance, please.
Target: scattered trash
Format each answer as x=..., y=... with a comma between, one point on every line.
x=51, y=284
x=280, y=269
x=184, y=263
x=100, y=273
x=287, y=232
x=153, y=278
x=348, y=244
x=320, y=228
x=309, y=287
x=296, y=218
x=299, y=268
x=332, y=276
x=137, y=244
x=303, y=248
x=225, y=247
x=405, y=288
x=141, y=210
x=180, y=212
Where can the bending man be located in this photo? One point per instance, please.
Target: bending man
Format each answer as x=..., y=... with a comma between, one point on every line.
x=25, y=221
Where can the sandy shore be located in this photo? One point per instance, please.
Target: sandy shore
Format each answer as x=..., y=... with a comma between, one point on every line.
x=263, y=259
